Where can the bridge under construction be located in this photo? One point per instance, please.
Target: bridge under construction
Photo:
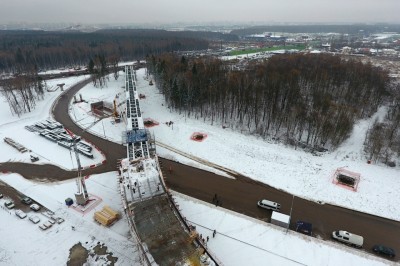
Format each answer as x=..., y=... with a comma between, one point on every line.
x=164, y=237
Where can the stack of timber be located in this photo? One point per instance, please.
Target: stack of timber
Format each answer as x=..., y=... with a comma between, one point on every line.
x=106, y=216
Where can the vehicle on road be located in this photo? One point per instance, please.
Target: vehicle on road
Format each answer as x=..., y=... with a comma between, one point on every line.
x=26, y=200
x=20, y=214
x=348, y=238
x=9, y=204
x=35, y=207
x=34, y=219
x=383, y=250
x=270, y=205
x=304, y=227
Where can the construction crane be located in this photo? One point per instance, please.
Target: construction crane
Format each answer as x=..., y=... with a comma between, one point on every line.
x=81, y=196
x=115, y=113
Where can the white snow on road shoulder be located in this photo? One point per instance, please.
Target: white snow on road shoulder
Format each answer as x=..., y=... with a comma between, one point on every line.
x=241, y=240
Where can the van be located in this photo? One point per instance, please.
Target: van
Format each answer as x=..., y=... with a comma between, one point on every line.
x=348, y=238
x=270, y=205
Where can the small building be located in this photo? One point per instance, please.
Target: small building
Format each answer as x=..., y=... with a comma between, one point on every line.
x=280, y=219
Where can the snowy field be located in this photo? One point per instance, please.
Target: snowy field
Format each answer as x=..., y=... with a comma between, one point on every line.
x=48, y=152
x=23, y=243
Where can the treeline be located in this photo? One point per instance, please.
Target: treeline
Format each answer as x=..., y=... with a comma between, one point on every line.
x=22, y=50
x=344, y=29
x=307, y=100
x=22, y=93
x=382, y=143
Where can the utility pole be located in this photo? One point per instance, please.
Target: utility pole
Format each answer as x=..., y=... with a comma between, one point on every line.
x=290, y=214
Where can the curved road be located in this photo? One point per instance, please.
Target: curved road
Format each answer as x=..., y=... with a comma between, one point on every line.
x=111, y=150
x=239, y=195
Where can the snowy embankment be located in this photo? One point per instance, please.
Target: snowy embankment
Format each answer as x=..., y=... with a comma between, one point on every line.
x=241, y=240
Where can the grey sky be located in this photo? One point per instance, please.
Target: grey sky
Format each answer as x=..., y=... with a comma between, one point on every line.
x=169, y=11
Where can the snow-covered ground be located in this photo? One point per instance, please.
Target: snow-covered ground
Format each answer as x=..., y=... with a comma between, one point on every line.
x=81, y=114
x=298, y=172
x=48, y=152
x=240, y=240
x=23, y=243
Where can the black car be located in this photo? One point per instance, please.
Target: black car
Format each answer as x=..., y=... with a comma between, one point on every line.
x=380, y=249
x=27, y=200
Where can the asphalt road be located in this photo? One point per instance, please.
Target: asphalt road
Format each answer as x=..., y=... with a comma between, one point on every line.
x=240, y=194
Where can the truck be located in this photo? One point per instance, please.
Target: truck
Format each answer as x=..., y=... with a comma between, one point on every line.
x=280, y=219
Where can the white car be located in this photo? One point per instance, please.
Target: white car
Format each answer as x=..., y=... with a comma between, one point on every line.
x=34, y=219
x=35, y=207
x=20, y=214
x=43, y=227
x=9, y=204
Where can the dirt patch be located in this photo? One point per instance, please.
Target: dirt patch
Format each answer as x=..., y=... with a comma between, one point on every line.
x=198, y=136
x=148, y=122
x=101, y=250
x=77, y=255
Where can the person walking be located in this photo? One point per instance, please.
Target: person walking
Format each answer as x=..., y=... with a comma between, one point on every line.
x=215, y=198
x=214, y=233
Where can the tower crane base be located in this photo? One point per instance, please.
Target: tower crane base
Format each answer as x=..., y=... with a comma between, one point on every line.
x=80, y=199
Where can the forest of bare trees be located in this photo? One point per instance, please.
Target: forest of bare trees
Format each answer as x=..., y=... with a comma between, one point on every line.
x=305, y=100
x=24, y=53
x=382, y=142
x=22, y=93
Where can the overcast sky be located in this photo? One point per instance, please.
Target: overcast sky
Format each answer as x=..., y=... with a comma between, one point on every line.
x=170, y=11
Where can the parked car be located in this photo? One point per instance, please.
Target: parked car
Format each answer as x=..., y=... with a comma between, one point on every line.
x=43, y=227
x=35, y=207
x=270, y=205
x=20, y=214
x=9, y=204
x=34, y=219
x=383, y=250
x=27, y=200
x=348, y=238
